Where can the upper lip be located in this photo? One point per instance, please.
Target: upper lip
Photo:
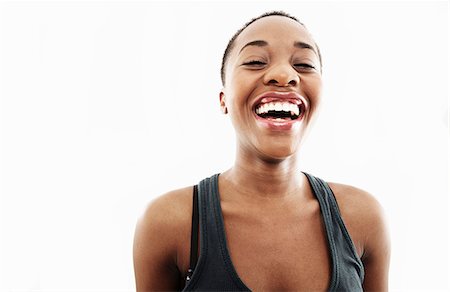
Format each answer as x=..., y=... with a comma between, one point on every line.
x=290, y=96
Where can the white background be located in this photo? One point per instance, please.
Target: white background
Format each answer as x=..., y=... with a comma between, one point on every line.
x=105, y=105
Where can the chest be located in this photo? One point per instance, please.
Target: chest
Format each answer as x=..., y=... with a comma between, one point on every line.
x=279, y=250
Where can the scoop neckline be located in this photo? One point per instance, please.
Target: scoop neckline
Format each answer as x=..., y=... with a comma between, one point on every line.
x=223, y=239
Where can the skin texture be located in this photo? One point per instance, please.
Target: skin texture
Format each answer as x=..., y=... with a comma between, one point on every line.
x=273, y=225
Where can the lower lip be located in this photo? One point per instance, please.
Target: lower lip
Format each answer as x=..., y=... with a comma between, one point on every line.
x=285, y=125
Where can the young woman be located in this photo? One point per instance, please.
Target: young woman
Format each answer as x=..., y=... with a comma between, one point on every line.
x=264, y=224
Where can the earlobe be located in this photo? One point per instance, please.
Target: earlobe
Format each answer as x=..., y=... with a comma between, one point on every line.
x=223, y=105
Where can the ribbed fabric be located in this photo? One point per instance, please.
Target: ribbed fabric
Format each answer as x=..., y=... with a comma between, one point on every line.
x=215, y=271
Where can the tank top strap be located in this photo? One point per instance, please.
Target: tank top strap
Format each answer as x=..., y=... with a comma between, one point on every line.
x=347, y=266
x=214, y=268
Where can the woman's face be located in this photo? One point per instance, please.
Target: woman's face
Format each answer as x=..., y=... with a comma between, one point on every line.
x=273, y=86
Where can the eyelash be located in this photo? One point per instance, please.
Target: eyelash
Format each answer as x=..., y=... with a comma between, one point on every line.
x=260, y=63
x=254, y=62
x=304, y=66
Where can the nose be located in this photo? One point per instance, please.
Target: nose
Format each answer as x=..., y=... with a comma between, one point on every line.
x=282, y=75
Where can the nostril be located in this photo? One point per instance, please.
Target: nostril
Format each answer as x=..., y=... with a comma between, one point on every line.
x=277, y=83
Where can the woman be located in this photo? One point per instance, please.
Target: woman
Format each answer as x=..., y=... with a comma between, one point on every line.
x=264, y=224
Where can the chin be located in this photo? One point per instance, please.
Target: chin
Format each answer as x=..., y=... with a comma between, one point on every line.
x=278, y=152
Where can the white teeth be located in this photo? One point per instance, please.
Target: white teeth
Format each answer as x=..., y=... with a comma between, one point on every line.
x=278, y=106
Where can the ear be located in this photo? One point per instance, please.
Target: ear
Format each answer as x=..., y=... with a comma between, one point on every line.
x=223, y=105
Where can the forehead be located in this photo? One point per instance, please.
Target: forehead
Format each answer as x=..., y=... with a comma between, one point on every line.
x=276, y=30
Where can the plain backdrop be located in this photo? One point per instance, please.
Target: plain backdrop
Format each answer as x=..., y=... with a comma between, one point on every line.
x=106, y=105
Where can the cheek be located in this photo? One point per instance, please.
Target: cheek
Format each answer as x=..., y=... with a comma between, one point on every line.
x=238, y=92
x=313, y=91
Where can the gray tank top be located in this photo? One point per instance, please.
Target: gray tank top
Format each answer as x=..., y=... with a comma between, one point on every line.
x=215, y=271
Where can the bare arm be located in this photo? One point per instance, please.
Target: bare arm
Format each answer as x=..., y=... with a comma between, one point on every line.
x=377, y=253
x=155, y=245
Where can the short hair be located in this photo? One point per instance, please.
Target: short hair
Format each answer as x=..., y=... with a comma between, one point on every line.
x=230, y=45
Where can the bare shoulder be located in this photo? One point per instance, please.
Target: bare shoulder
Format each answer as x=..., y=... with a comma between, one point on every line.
x=169, y=208
x=356, y=203
x=361, y=212
x=365, y=220
x=163, y=228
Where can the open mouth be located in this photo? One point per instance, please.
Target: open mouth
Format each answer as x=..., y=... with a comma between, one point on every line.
x=279, y=110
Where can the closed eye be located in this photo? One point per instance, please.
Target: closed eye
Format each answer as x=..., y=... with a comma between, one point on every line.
x=254, y=63
x=304, y=66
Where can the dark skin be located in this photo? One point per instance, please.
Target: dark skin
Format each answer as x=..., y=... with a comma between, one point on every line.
x=274, y=229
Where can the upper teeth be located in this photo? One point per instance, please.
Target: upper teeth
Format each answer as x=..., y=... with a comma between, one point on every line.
x=278, y=106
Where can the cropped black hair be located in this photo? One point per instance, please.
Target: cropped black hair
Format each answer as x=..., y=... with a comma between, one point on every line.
x=231, y=41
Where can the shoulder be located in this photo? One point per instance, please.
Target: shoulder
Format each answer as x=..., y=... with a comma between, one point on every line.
x=167, y=214
x=173, y=203
x=366, y=223
x=363, y=216
x=356, y=202
x=161, y=241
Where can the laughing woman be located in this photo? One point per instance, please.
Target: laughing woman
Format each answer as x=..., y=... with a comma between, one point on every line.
x=264, y=224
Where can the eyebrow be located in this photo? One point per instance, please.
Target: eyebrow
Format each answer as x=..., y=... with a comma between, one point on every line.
x=303, y=45
x=261, y=43
x=257, y=43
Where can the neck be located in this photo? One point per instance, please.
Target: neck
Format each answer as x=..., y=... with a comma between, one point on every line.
x=270, y=179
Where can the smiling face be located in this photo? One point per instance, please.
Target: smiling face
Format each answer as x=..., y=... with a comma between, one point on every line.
x=273, y=86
